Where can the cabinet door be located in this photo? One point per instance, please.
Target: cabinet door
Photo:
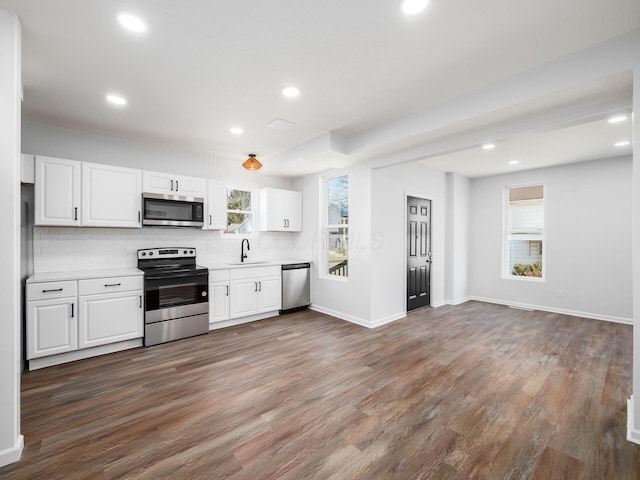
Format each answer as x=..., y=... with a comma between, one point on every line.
x=191, y=186
x=216, y=218
x=111, y=196
x=218, y=301
x=57, y=191
x=293, y=214
x=243, y=298
x=269, y=294
x=52, y=327
x=110, y=318
x=157, y=182
x=272, y=208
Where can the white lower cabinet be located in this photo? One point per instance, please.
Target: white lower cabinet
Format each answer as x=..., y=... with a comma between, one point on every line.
x=254, y=290
x=65, y=316
x=219, y=295
x=109, y=318
x=111, y=310
x=52, y=327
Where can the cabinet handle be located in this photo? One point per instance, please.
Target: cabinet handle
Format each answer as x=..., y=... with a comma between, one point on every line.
x=255, y=284
x=138, y=216
x=54, y=290
x=140, y=301
x=260, y=286
x=177, y=186
x=284, y=223
x=210, y=220
x=287, y=223
x=72, y=307
x=172, y=185
x=75, y=213
x=112, y=284
x=227, y=290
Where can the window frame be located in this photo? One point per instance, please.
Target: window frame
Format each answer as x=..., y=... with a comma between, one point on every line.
x=325, y=226
x=253, y=212
x=506, y=233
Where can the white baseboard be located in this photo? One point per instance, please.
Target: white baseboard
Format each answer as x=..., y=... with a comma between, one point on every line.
x=574, y=313
x=43, y=362
x=633, y=435
x=342, y=316
x=388, y=319
x=12, y=454
x=239, y=321
x=458, y=301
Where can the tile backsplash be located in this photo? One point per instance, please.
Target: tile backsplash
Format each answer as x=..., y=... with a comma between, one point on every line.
x=67, y=249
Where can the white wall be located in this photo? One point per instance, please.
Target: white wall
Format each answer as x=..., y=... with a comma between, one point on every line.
x=458, y=190
x=587, y=240
x=11, y=441
x=349, y=298
x=63, y=249
x=390, y=186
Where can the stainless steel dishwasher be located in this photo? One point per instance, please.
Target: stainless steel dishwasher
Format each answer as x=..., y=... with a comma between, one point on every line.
x=296, y=285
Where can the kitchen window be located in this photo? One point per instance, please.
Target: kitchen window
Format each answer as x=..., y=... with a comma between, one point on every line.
x=524, y=232
x=239, y=212
x=336, y=226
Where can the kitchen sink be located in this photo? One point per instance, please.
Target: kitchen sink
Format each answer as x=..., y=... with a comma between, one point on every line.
x=247, y=263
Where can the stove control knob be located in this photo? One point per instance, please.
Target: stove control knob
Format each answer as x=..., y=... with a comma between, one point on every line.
x=204, y=294
x=150, y=253
x=143, y=254
x=185, y=252
x=191, y=251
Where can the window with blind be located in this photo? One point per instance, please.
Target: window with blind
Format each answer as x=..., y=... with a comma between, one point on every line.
x=524, y=232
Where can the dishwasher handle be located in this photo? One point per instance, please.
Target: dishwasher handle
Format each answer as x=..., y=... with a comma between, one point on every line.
x=295, y=266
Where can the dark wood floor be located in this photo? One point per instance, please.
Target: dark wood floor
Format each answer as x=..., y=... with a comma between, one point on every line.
x=474, y=391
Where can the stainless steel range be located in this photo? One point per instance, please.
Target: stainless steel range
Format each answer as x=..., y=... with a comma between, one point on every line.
x=176, y=294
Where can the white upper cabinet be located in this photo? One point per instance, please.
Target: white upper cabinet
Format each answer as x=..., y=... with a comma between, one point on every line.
x=280, y=210
x=216, y=214
x=170, y=184
x=111, y=196
x=57, y=192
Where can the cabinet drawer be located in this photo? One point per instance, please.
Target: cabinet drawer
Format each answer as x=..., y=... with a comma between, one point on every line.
x=218, y=276
x=110, y=285
x=254, y=272
x=47, y=290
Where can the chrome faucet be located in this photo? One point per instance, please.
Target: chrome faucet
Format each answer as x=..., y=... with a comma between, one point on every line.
x=242, y=254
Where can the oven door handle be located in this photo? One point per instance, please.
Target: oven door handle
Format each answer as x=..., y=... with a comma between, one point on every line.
x=175, y=275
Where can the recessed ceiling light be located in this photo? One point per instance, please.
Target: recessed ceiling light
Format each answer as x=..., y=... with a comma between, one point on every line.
x=290, y=91
x=116, y=100
x=488, y=146
x=514, y=162
x=623, y=143
x=618, y=119
x=236, y=130
x=131, y=22
x=411, y=7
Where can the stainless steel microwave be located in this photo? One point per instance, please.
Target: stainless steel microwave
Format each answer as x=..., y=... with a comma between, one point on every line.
x=172, y=210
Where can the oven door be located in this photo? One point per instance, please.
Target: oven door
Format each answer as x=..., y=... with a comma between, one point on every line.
x=174, y=296
x=172, y=210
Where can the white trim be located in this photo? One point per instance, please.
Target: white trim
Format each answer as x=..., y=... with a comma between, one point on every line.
x=506, y=274
x=342, y=316
x=38, y=363
x=388, y=319
x=12, y=454
x=574, y=313
x=239, y=321
x=633, y=435
x=458, y=301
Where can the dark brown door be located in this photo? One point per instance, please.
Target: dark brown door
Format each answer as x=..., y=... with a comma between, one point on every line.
x=418, y=253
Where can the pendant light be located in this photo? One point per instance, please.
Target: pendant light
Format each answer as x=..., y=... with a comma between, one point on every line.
x=252, y=163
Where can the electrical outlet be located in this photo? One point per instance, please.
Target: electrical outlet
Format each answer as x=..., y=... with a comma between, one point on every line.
x=560, y=293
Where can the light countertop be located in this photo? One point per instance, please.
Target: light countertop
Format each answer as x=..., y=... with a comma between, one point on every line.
x=253, y=263
x=83, y=274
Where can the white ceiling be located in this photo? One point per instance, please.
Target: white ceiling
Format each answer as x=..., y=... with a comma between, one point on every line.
x=204, y=66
